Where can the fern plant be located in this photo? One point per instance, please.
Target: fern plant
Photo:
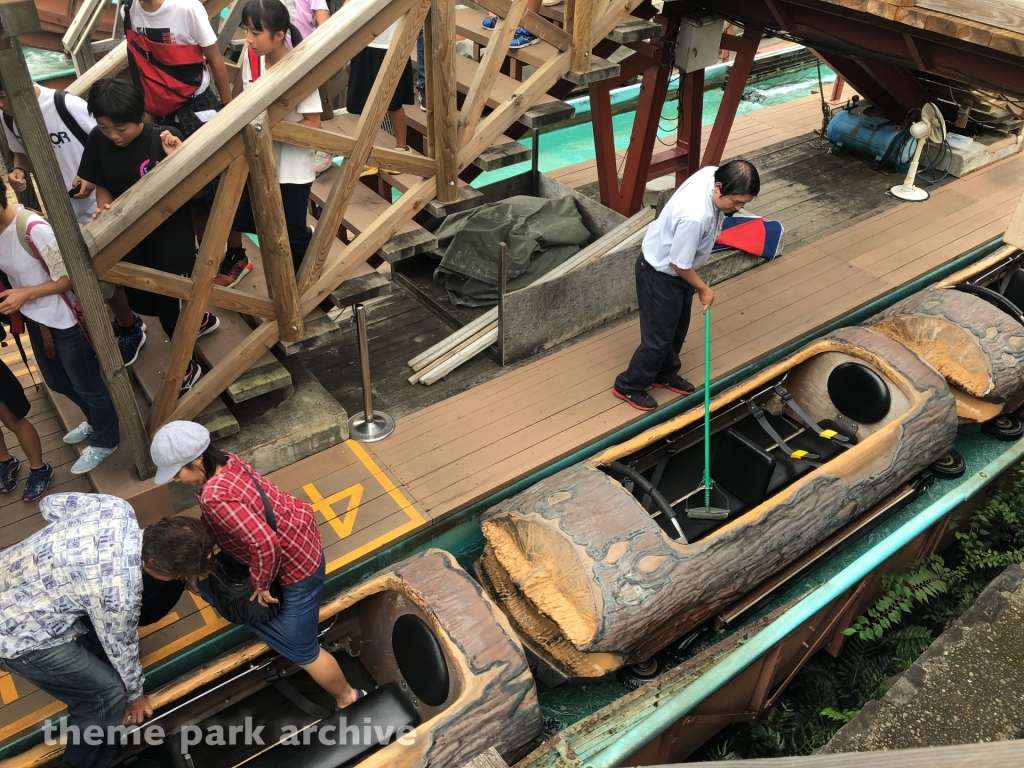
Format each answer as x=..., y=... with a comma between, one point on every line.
x=900, y=593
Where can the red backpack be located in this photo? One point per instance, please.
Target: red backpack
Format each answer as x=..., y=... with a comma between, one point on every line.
x=168, y=74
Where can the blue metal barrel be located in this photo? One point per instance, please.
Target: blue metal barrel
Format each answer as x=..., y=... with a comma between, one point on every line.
x=868, y=134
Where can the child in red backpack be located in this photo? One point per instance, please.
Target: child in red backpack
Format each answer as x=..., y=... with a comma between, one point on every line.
x=172, y=53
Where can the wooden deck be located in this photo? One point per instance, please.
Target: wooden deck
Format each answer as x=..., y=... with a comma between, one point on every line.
x=470, y=436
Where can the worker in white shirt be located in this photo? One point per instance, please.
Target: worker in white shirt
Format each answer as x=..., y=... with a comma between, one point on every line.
x=677, y=243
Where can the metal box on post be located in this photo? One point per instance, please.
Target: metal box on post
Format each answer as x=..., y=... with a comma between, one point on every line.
x=699, y=41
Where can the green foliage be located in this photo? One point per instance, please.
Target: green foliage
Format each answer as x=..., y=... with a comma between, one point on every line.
x=916, y=606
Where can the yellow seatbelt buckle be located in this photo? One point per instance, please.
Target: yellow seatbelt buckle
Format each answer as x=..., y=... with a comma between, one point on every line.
x=798, y=454
x=828, y=434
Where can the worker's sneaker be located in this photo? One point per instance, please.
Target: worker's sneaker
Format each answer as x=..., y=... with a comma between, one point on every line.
x=192, y=374
x=9, y=474
x=233, y=268
x=209, y=324
x=79, y=433
x=130, y=341
x=639, y=400
x=91, y=458
x=676, y=384
x=37, y=483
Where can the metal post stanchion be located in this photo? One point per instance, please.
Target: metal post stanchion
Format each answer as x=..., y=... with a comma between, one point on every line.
x=368, y=426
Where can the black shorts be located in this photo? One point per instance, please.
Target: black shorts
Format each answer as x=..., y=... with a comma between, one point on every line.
x=12, y=394
x=365, y=66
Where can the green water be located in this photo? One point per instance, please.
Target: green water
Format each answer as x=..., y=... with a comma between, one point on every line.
x=43, y=64
x=575, y=144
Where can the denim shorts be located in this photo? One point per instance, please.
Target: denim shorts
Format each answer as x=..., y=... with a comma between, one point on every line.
x=293, y=632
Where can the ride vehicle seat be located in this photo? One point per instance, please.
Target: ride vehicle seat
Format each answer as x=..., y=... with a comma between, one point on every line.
x=859, y=393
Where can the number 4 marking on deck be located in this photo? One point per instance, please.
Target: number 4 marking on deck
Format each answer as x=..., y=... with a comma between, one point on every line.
x=354, y=494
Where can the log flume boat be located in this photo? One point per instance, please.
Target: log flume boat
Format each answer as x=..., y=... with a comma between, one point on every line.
x=602, y=565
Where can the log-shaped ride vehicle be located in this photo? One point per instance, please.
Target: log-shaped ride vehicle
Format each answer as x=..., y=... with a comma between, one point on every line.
x=970, y=328
x=607, y=562
x=446, y=679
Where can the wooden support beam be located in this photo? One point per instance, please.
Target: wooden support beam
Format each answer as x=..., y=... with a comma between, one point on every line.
x=1015, y=231
x=21, y=95
x=342, y=145
x=445, y=141
x=395, y=61
x=428, y=91
x=487, y=72
x=166, y=284
x=183, y=342
x=271, y=227
x=582, y=35
x=218, y=143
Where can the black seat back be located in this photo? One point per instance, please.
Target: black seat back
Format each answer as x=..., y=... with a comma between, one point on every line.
x=743, y=468
x=859, y=393
x=420, y=659
x=1014, y=292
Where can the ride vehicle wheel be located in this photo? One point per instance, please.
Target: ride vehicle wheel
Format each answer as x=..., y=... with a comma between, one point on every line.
x=1006, y=427
x=950, y=464
x=632, y=676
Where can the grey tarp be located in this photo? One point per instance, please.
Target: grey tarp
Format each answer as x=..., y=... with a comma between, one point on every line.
x=540, y=234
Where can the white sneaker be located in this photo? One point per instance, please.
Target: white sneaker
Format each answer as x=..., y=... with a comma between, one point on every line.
x=79, y=433
x=90, y=459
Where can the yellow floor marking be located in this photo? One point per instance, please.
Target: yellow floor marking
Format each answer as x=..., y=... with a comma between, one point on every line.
x=354, y=494
x=8, y=693
x=385, y=481
x=211, y=623
x=32, y=719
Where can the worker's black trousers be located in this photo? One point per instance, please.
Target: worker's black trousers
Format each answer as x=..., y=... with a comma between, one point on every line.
x=664, y=319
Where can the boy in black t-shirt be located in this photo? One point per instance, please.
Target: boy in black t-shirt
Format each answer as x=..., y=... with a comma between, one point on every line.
x=121, y=150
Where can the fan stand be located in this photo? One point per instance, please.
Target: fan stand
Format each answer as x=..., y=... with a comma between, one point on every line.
x=907, y=190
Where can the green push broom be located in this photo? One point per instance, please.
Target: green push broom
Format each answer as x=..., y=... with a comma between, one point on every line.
x=708, y=512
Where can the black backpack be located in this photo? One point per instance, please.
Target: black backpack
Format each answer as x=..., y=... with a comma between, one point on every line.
x=60, y=102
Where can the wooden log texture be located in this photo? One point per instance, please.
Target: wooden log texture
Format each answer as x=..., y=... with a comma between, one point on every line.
x=977, y=347
x=498, y=704
x=586, y=554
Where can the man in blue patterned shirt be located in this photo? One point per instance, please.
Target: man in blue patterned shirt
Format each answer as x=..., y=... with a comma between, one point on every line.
x=86, y=563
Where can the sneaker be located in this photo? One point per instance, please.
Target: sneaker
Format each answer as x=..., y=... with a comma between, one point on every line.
x=9, y=474
x=232, y=269
x=323, y=161
x=421, y=99
x=130, y=343
x=489, y=22
x=79, y=433
x=192, y=374
x=37, y=483
x=91, y=458
x=522, y=38
x=550, y=3
x=403, y=149
x=676, y=384
x=210, y=324
x=639, y=400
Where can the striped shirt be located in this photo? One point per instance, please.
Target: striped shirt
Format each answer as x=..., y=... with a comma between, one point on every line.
x=86, y=562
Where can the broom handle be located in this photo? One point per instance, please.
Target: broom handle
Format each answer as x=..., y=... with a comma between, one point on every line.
x=707, y=408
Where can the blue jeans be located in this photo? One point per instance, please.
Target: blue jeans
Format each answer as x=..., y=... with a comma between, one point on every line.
x=665, y=302
x=295, y=198
x=293, y=632
x=421, y=78
x=92, y=690
x=75, y=373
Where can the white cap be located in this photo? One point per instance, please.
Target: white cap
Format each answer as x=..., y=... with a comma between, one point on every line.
x=176, y=444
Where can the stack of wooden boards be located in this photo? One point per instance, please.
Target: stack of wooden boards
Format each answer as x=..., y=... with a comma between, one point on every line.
x=473, y=338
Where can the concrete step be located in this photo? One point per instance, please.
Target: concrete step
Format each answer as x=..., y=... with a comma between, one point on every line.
x=265, y=376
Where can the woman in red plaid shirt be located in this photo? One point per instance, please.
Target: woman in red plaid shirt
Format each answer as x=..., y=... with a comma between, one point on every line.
x=294, y=555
